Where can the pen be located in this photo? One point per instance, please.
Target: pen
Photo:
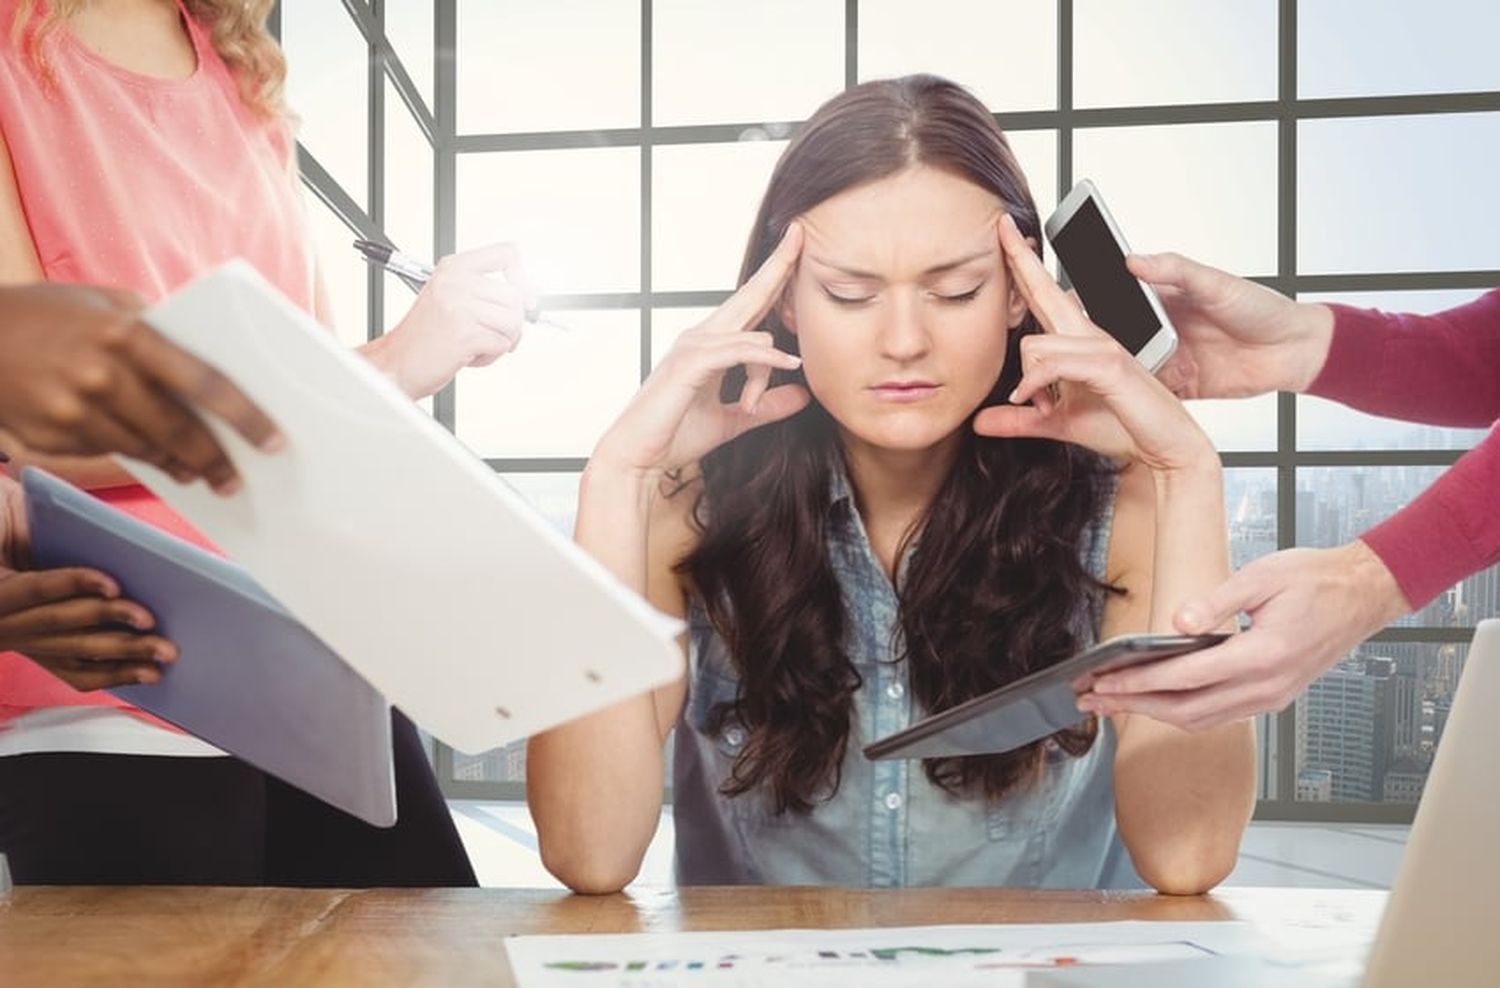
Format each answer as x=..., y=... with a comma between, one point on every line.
x=417, y=273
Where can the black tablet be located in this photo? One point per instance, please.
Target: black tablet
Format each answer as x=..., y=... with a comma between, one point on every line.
x=1030, y=708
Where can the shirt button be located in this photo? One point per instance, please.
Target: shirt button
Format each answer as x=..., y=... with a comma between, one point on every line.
x=734, y=736
x=893, y=801
x=895, y=691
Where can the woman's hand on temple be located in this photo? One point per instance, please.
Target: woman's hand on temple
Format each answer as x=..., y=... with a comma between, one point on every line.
x=677, y=416
x=1084, y=387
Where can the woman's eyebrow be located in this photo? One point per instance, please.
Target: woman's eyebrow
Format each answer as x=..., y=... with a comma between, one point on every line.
x=935, y=269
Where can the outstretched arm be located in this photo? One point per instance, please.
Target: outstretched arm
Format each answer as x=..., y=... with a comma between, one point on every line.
x=1442, y=369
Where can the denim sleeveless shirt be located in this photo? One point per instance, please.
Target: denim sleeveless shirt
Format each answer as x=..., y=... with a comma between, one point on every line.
x=887, y=825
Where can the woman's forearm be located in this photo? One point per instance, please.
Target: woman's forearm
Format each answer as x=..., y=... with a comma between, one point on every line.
x=1192, y=544
x=595, y=785
x=1182, y=799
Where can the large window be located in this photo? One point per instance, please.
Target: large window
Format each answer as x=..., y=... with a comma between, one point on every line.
x=624, y=145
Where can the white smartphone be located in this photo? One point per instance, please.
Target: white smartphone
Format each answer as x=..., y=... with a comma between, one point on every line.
x=1091, y=250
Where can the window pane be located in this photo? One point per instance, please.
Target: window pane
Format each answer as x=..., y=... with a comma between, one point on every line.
x=703, y=200
x=575, y=214
x=1238, y=424
x=1036, y=150
x=328, y=88
x=1173, y=51
x=507, y=764
x=1323, y=424
x=554, y=495
x=558, y=392
x=1413, y=193
x=1206, y=190
x=409, y=29
x=743, y=62
x=897, y=38
x=1250, y=500
x=1385, y=47
x=1366, y=730
x=528, y=65
x=408, y=180
x=344, y=272
x=1337, y=504
x=668, y=324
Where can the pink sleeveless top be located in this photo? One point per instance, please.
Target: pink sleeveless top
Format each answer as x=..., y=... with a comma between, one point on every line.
x=143, y=184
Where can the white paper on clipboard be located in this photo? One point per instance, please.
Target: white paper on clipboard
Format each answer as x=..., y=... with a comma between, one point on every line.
x=396, y=545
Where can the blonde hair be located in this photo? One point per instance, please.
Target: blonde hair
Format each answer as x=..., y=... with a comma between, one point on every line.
x=237, y=30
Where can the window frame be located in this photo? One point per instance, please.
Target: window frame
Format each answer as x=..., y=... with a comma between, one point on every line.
x=438, y=124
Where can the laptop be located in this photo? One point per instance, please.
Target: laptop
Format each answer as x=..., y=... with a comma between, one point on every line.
x=1441, y=924
x=250, y=678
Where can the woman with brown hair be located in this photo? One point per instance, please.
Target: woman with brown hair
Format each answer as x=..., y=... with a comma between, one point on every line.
x=804, y=479
x=142, y=143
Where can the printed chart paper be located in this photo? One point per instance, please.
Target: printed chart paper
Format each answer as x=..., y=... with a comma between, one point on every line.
x=955, y=956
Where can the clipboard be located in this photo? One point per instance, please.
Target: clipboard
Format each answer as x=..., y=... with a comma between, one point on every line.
x=397, y=546
x=1032, y=707
x=249, y=677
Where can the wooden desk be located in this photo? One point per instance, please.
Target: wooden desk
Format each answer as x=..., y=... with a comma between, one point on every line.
x=200, y=936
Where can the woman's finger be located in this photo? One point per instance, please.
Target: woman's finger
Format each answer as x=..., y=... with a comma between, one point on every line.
x=751, y=355
x=504, y=320
x=188, y=378
x=1193, y=710
x=177, y=440
x=1095, y=369
x=495, y=290
x=1046, y=300
x=19, y=591
x=746, y=307
x=1018, y=422
x=102, y=431
x=757, y=380
x=79, y=614
x=91, y=676
x=1220, y=665
x=780, y=402
x=101, y=646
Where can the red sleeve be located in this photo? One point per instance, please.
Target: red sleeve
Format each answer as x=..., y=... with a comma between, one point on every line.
x=1442, y=369
x=1450, y=531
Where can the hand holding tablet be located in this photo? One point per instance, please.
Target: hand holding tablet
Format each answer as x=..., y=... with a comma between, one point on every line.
x=1030, y=708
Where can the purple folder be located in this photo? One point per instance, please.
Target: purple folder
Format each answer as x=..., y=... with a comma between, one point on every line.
x=249, y=677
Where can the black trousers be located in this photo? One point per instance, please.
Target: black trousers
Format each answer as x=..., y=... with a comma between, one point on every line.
x=99, y=819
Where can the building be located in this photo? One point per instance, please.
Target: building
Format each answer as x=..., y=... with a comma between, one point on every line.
x=1337, y=729
x=1314, y=785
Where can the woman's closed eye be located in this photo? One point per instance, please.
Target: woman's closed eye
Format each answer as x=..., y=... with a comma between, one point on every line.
x=959, y=298
x=847, y=297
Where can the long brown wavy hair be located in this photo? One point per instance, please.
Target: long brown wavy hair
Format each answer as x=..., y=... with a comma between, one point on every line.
x=995, y=586
x=237, y=29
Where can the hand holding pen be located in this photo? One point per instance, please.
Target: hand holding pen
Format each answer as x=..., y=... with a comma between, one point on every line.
x=470, y=310
x=416, y=273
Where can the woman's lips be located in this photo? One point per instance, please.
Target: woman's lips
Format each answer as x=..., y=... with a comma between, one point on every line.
x=904, y=391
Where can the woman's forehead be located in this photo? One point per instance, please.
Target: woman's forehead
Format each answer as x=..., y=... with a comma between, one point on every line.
x=918, y=219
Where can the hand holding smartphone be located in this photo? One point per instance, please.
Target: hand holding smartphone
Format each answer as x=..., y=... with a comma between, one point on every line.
x=1092, y=250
